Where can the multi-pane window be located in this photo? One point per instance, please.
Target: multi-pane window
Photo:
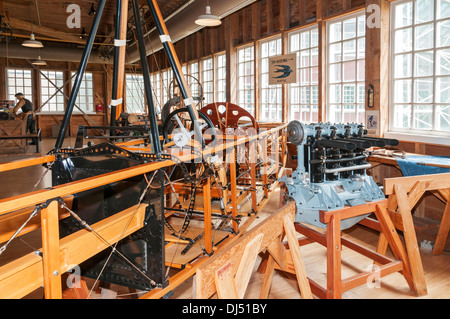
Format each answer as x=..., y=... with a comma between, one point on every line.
x=19, y=81
x=304, y=94
x=156, y=86
x=85, y=97
x=270, y=95
x=420, y=66
x=346, y=69
x=221, y=78
x=167, y=87
x=246, y=78
x=52, y=99
x=194, y=79
x=208, y=80
x=134, y=93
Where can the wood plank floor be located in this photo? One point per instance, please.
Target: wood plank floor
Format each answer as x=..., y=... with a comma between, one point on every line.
x=437, y=268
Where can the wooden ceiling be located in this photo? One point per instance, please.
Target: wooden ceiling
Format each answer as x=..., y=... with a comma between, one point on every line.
x=48, y=18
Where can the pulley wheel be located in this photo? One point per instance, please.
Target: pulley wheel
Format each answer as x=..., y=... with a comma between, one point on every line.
x=295, y=132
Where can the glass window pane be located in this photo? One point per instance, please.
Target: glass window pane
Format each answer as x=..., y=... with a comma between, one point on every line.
x=423, y=117
x=402, y=116
x=335, y=73
x=349, y=50
x=403, y=67
x=443, y=33
x=402, y=91
x=443, y=118
x=423, y=63
x=423, y=90
x=424, y=37
x=403, y=15
x=443, y=62
x=443, y=90
x=361, y=26
x=335, y=93
x=443, y=9
x=424, y=10
x=335, y=52
x=335, y=32
x=403, y=40
x=349, y=71
x=349, y=27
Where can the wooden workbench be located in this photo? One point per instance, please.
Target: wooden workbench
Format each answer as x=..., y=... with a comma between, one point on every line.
x=11, y=128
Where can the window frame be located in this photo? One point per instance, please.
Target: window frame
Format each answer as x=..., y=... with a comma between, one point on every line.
x=7, y=84
x=252, y=109
x=127, y=96
x=64, y=104
x=298, y=85
x=411, y=133
x=357, y=105
x=278, y=88
x=220, y=91
x=92, y=101
x=204, y=71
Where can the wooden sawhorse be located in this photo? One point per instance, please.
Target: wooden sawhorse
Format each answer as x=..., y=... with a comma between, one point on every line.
x=404, y=193
x=333, y=241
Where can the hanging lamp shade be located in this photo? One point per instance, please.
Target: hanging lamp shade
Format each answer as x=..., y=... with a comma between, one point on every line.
x=208, y=19
x=39, y=61
x=32, y=42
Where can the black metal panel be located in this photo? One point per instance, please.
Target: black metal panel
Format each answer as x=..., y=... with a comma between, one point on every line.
x=144, y=248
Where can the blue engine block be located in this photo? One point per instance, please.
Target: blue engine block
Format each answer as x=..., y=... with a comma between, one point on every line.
x=331, y=170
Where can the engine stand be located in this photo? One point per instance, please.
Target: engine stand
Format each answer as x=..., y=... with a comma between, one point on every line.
x=333, y=241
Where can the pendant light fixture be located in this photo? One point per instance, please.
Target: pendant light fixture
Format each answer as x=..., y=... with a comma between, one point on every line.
x=208, y=19
x=32, y=42
x=39, y=61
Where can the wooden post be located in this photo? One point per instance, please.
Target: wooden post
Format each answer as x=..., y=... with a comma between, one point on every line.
x=50, y=251
x=233, y=180
x=299, y=267
x=334, y=279
x=444, y=229
x=207, y=215
x=411, y=240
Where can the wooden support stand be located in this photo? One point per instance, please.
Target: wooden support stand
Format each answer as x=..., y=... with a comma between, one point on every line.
x=404, y=193
x=228, y=272
x=333, y=241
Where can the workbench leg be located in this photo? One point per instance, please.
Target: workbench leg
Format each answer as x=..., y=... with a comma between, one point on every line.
x=412, y=246
x=444, y=229
x=334, y=278
x=395, y=243
x=267, y=282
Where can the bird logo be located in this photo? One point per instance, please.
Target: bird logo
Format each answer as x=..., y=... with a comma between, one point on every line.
x=284, y=69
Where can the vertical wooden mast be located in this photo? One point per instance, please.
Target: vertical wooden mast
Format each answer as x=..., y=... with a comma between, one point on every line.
x=119, y=61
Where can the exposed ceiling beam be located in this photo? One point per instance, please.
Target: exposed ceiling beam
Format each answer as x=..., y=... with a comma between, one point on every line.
x=15, y=23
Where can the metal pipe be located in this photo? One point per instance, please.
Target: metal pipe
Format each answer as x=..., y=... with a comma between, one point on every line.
x=155, y=144
x=340, y=160
x=80, y=74
x=336, y=144
x=176, y=67
x=345, y=169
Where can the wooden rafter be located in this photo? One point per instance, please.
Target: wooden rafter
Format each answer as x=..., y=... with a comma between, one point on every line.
x=19, y=24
